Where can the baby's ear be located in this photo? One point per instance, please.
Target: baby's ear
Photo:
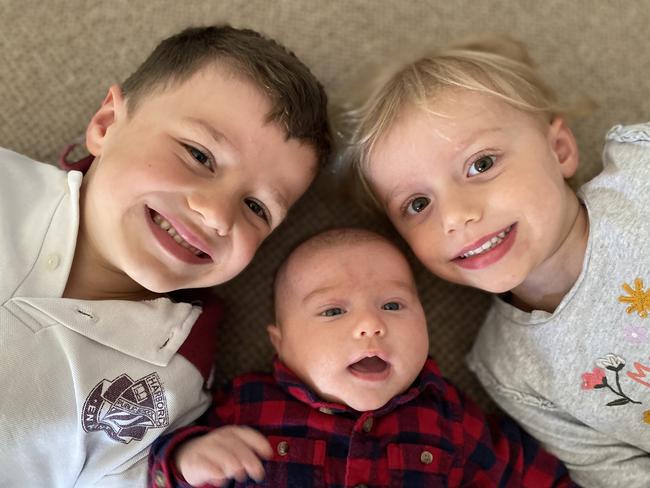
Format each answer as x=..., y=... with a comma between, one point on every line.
x=563, y=144
x=275, y=336
x=112, y=106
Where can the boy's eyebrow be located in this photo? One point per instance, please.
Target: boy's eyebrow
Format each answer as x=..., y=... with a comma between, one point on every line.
x=215, y=134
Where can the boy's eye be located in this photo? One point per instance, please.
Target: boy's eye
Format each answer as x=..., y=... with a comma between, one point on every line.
x=200, y=156
x=258, y=209
x=391, y=306
x=331, y=312
x=481, y=165
x=416, y=205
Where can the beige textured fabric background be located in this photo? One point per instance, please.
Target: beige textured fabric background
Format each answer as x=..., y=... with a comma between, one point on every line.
x=57, y=59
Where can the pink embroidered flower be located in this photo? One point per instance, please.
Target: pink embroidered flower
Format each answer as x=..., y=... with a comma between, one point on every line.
x=593, y=379
x=635, y=334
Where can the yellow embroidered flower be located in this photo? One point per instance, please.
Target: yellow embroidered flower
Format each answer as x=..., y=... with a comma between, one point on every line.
x=646, y=416
x=638, y=298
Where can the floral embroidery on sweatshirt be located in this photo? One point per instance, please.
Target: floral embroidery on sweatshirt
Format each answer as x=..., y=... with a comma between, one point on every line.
x=638, y=298
x=597, y=379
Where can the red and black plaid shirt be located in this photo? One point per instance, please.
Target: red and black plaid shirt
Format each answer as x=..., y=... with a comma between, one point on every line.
x=429, y=436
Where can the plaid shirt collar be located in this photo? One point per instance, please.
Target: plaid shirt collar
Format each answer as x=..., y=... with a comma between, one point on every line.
x=429, y=379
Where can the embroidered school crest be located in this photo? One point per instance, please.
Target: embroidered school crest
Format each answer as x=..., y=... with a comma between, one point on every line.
x=124, y=408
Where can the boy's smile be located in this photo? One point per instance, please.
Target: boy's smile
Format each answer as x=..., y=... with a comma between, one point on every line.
x=184, y=189
x=478, y=189
x=350, y=323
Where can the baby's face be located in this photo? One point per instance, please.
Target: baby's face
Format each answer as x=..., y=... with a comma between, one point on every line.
x=184, y=190
x=351, y=324
x=478, y=188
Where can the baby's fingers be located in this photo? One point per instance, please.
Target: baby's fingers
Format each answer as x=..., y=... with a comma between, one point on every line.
x=249, y=446
x=256, y=441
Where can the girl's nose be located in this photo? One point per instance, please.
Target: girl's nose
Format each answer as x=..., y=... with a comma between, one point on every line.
x=457, y=210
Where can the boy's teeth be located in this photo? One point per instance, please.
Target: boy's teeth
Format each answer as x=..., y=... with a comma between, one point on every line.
x=167, y=227
x=489, y=244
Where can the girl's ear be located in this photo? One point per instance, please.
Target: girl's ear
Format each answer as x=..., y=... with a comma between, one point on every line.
x=275, y=336
x=564, y=145
x=110, y=111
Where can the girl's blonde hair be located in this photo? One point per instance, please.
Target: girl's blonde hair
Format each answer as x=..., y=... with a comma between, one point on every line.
x=498, y=67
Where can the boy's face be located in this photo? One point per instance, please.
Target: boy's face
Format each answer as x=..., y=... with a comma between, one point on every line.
x=350, y=323
x=184, y=190
x=478, y=189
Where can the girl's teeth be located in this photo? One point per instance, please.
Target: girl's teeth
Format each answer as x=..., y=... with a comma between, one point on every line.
x=489, y=244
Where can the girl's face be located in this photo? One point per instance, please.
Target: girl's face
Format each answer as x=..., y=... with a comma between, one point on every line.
x=477, y=188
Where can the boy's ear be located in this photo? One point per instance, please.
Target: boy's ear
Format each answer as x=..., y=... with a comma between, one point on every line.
x=111, y=110
x=275, y=336
x=564, y=145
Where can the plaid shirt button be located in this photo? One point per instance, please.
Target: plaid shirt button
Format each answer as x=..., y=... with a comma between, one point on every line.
x=159, y=479
x=367, y=425
x=326, y=410
x=283, y=448
x=426, y=457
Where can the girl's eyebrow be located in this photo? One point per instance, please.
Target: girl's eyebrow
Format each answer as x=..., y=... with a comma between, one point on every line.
x=473, y=136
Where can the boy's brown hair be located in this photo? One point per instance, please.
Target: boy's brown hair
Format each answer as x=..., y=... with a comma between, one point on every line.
x=298, y=100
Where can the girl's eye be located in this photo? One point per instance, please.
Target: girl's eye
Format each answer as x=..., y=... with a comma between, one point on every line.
x=331, y=312
x=481, y=165
x=391, y=306
x=258, y=209
x=418, y=204
x=200, y=156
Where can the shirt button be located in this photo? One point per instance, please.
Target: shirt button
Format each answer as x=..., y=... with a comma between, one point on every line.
x=326, y=410
x=159, y=479
x=367, y=425
x=283, y=448
x=426, y=457
x=53, y=262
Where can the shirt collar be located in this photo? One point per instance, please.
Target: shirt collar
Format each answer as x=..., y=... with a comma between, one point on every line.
x=429, y=379
x=151, y=330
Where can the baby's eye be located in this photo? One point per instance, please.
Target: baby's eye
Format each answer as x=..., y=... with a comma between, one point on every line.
x=481, y=165
x=200, y=156
x=416, y=205
x=258, y=209
x=331, y=312
x=391, y=306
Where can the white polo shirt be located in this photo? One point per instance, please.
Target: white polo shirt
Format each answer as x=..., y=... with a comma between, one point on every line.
x=85, y=386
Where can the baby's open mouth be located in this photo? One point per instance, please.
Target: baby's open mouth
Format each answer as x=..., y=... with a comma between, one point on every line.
x=369, y=365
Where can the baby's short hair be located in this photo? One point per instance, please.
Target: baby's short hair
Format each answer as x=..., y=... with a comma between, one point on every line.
x=332, y=237
x=499, y=67
x=298, y=100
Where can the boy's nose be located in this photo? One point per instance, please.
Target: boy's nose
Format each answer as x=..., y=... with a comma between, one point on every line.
x=457, y=210
x=216, y=211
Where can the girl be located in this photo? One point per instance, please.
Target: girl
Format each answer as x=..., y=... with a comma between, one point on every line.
x=468, y=154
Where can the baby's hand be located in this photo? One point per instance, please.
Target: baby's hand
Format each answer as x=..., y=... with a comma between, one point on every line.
x=228, y=452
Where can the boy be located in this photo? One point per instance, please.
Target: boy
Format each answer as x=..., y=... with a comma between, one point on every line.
x=354, y=400
x=197, y=158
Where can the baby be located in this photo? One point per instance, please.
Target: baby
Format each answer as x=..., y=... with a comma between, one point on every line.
x=198, y=156
x=468, y=154
x=354, y=400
